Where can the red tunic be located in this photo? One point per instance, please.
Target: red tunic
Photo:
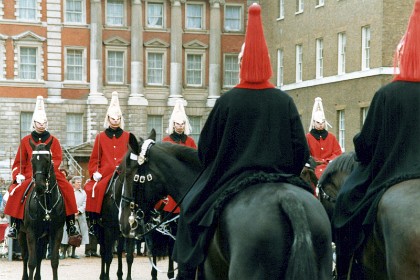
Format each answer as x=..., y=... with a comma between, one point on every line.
x=22, y=165
x=107, y=154
x=169, y=201
x=324, y=150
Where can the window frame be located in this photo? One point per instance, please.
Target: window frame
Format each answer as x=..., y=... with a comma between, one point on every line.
x=122, y=50
x=226, y=57
x=319, y=57
x=163, y=4
x=37, y=9
x=83, y=66
x=78, y=132
x=299, y=63
x=25, y=119
x=156, y=119
x=203, y=16
x=366, y=41
x=124, y=15
x=196, y=126
x=163, y=52
x=240, y=19
x=203, y=61
x=299, y=6
x=82, y=13
x=280, y=67
x=342, y=44
x=342, y=129
x=281, y=9
x=38, y=49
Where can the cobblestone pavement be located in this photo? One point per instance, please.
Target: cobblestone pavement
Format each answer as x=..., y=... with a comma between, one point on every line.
x=85, y=268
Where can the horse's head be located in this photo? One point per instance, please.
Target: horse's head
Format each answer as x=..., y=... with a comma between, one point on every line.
x=42, y=166
x=333, y=178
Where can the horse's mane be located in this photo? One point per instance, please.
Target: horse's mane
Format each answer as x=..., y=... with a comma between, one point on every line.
x=182, y=153
x=346, y=162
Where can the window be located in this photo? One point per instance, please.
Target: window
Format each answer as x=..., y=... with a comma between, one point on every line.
x=319, y=58
x=233, y=18
x=299, y=64
x=194, y=70
x=74, y=129
x=155, y=15
x=319, y=3
x=155, y=68
x=75, y=69
x=75, y=11
x=341, y=53
x=299, y=6
x=28, y=63
x=25, y=123
x=115, y=66
x=231, y=71
x=115, y=12
x=280, y=67
x=2, y=57
x=365, y=47
x=154, y=121
x=341, y=129
x=363, y=112
x=281, y=9
x=195, y=123
x=27, y=10
x=195, y=18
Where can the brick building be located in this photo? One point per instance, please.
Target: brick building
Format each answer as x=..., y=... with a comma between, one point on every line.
x=340, y=50
x=76, y=52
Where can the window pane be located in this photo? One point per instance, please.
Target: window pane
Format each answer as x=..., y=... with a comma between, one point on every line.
x=74, y=65
x=74, y=129
x=155, y=14
x=155, y=68
x=74, y=11
x=233, y=18
x=194, y=16
x=194, y=69
x=115, y=67
x=195, y=123
x=155, y=122
x=115, y=12
x=231, y=70
x=27, y=9
x=25, y=123
x=27, y=66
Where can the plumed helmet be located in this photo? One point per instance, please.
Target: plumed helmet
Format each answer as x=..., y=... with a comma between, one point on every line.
x=256, y=68
x=114, y=111
x=39, y=113
x=178, y=115
x=407, y=54
x=318, y=114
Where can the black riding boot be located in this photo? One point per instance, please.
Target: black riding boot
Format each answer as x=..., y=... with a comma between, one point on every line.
x=71, y=226
x=186, y=272
x=93, y=220
x=14, y=228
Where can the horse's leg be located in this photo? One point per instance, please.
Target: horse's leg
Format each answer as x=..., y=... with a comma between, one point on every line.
x=40, y=254
x=55, y=249
x=108, y=244
x=171, y=272
x=24, y=251
x=120, y=248
x=32, y=253
x=154, y=271
x=129, y=255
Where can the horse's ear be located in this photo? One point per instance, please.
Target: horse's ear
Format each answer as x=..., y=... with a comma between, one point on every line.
x=32, y=143
x=48, y=146
x=134, y=144
x=152, y=135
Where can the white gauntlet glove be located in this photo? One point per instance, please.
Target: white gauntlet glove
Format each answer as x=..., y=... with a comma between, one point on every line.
x=20, y=178
x=97, y=176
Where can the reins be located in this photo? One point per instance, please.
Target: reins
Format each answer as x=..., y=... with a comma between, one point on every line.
x=324, y=195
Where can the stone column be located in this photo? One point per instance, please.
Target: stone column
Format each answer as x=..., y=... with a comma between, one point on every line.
x=214, y=52
x=54, y=51
x=137, y=97
x=96, y=96
x=176, y=52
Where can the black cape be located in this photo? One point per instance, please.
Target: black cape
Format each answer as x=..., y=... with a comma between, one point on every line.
x=387, y=149
x=248, y=131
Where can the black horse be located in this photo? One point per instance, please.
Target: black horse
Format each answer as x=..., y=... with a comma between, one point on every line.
x=391, y=250
x=109, y=229
x=44, y=215
x=287, y=237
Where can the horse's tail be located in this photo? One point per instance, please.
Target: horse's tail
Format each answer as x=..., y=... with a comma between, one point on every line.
x=302, y=260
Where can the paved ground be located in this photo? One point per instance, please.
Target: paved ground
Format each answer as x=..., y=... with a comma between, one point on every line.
x=82, y=269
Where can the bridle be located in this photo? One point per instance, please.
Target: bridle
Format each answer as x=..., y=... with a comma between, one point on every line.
x=323, y=195
x=49, y=188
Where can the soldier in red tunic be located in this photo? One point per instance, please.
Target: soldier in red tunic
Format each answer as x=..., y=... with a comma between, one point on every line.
x=22, y=172
x=108, y=150
x=323, y=145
